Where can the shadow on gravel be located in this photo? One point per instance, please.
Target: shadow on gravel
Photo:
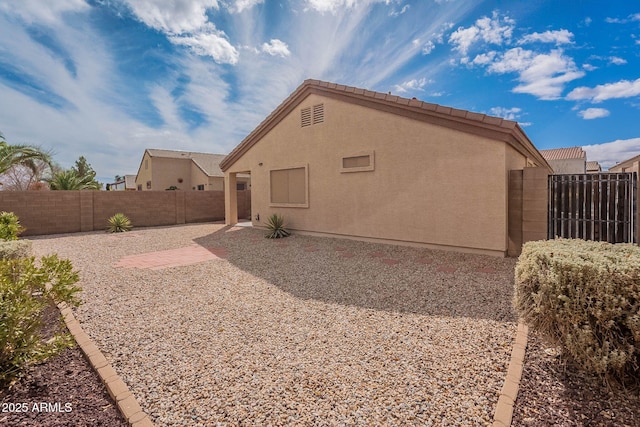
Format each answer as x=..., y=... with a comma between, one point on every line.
x=374, y=276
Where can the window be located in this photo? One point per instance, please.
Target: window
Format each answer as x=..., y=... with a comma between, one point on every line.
x=289, y=187
x=240, y=186
x=312, y=115
x=148, y=185
x=200, y=187
x=139, y=187
x=358, y=163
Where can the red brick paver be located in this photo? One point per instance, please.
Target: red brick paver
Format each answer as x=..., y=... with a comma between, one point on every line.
x=171, y=258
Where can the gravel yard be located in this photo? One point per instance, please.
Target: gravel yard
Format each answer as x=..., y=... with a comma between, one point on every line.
x=304, y=330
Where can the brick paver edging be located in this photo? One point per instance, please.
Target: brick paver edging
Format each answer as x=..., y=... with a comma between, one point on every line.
x=118, y=390
x=509, y=392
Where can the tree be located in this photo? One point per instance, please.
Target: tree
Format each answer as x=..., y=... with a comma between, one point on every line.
x=27, y=156
x=80, y=177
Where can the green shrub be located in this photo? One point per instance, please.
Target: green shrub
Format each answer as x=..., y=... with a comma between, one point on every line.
x=13, y=249
x=119, y=223
x=585, y=297
x=26, y=290
x=275, y=224
x=9, y=226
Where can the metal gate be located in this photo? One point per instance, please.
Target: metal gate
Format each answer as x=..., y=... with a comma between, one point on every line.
x=599, y=207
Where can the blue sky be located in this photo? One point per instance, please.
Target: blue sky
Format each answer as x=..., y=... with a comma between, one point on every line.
x=108, y=78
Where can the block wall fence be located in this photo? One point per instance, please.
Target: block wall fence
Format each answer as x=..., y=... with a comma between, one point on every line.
x=528, y=206
x=56, y=212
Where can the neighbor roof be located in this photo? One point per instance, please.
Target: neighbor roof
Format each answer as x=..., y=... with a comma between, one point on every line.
x=626, y=163
x=564, y=153
x=593, y=166
x=493, y=127
x=208, y=163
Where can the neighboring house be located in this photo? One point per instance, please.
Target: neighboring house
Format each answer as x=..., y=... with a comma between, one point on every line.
x=593, y=167
x=629, y=165
x=182, y=170
x=127, y=183
x=341, y=161
x=566, y=160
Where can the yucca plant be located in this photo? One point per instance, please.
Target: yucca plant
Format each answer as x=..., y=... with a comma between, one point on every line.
x=275, y=224
x=119, y=223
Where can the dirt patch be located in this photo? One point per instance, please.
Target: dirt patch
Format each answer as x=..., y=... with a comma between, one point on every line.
x=63, y=391
x=553, y=393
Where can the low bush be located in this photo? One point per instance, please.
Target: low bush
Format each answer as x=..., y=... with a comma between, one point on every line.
x=275, y=224
x=10, y=226
x=119, y=223
x=585, y=297
x=13, y=249
x=26, y=290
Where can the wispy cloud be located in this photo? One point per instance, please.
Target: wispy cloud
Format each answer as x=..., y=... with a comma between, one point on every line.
x=621, y=89
x=211, y=43
x=617, y=61
x=631, y=18
x=593, y=113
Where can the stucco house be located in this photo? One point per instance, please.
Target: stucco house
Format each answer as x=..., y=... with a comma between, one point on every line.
x=629, y=165
x=593, y=167
x=340, y=161
x=568, y=160
x=183, y=170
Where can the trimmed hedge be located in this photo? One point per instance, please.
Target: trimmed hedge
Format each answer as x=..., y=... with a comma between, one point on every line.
x=14, y=249
x=585, y=297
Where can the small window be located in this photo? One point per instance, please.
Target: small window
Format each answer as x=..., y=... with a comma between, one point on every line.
x=358, y=163
x=241, y=186
x=148, y=185
x=200, y=187
x=289, y=187
x=139, y=187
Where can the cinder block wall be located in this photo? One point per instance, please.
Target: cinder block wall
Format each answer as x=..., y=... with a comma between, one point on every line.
x=55, y=212
x=528, y=207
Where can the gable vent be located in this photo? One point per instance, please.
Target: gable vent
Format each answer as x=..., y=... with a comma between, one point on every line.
x=305, y=117
x=318, y=113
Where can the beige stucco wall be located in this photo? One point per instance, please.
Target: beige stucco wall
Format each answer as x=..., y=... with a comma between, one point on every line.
x=570, y=166
x=430, y=184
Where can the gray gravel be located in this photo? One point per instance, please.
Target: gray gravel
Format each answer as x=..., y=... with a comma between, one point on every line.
x=299, y=331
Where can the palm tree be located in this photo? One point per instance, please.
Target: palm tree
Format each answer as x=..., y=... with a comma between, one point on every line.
x=69, y=180
x=25, y=155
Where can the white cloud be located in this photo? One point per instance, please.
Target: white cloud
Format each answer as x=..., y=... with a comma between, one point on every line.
x=593, y=113
x=276, y=47
x=617, y=61
x=331, y=6
x=492, y=30
x=506, y=113
x=558, y=37
x=404, y=9
x=630, y=18
x=621, y=89
x=212, y=43
x=412, y=85
x=239, y=5
x=484, y=58
x=589, y=67
x=428, y=47
x=611, y=153
x=542, y=75
x=173, y=16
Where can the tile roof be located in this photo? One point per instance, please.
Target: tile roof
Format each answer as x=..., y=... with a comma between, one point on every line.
x=208, y=163
x=564, y=153
x=505, y=130
x=593, y=166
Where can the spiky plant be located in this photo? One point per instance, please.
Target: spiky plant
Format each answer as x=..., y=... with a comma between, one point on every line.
x=275, y=224
x=119, y=223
